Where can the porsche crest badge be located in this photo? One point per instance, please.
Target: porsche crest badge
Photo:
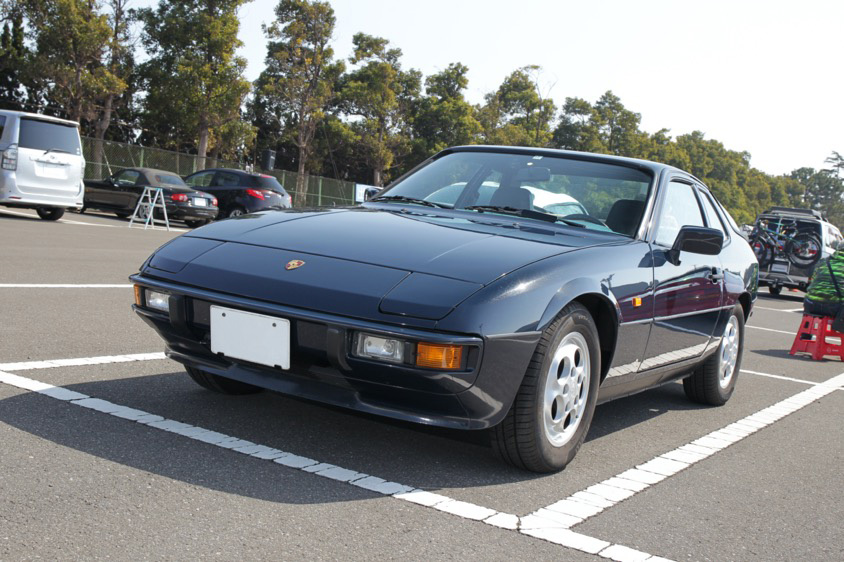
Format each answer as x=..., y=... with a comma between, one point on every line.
x=294, y=264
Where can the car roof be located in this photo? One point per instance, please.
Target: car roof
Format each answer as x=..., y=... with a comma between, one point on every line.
x=39, y=116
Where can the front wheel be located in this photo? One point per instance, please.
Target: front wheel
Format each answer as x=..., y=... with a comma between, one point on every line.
x=50, y=213
x=714, y=380
x=548, y=421
x=775, y=290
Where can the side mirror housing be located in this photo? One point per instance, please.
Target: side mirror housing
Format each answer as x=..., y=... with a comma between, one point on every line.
x=370, y=192
x=697, y=240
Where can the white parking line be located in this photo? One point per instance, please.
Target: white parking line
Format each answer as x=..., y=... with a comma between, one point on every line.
x=81, y=361
x=534, y=527
x=779, y=309
x=772, y=330
x=64, y=286
x=587, y=503
x=780, y=377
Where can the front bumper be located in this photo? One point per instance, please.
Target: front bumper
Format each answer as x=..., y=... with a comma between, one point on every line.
x=322, y=368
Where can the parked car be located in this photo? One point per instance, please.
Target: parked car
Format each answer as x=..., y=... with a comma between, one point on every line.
x=41, y=163
x=121, y=191
x=496, y=316
x=789, y=243
x=241, y=192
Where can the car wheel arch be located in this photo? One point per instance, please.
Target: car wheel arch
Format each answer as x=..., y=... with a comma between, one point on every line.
x=745, y=301
x=603, y=308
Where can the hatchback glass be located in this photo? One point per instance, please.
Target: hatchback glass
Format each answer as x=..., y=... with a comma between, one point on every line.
x=48, y=136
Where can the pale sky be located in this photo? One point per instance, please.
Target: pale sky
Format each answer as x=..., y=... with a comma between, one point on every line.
x=759, y=76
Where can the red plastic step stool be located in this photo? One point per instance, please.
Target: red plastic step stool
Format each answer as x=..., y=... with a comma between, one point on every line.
x=811, y=338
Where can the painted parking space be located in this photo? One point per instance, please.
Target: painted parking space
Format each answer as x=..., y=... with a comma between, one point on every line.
x=85, y=339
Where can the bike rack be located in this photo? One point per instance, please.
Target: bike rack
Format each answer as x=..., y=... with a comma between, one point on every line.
x=151, y=199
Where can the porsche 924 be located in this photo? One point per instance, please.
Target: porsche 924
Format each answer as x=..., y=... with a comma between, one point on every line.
x=471, y=307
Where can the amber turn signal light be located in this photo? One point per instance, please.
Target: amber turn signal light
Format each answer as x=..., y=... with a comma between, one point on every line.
x=436, y=356
x=138, y=295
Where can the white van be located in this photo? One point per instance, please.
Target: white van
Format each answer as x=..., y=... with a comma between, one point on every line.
x=41, y=163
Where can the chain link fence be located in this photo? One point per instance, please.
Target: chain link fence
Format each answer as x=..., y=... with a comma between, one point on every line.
x=99, y=164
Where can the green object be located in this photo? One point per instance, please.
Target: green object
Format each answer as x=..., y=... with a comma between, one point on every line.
x=822, y=289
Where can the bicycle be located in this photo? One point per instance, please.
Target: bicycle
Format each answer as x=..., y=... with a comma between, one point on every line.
x=800, y=247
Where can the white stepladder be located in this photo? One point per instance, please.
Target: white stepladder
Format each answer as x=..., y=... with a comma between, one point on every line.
x=151, y=199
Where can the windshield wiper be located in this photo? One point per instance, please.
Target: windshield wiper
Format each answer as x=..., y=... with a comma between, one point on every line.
x=406, y=199
x=526, y=213
x=49, y=150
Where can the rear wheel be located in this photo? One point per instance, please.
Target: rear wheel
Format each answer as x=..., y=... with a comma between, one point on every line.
x=236, y=212
x=714, y=380
x=804, y=249
x=50, y=213
x=774, y=290
x=548, y=421
x=220, y=384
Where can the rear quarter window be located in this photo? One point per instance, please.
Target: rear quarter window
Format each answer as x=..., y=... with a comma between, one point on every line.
x=46, y=135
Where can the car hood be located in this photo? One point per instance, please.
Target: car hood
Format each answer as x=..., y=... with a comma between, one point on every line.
x=359, y=262
x=476, y=252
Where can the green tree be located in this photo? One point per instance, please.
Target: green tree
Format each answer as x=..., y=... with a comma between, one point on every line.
x=618, y=127
x=823, y=191
x=578, y=129
x=517, y=113
x=120, y=64
x=300, y=75
x=71, y=40
x=443, y=117
x=13, y=56
x=194, y=80
x=379, y=95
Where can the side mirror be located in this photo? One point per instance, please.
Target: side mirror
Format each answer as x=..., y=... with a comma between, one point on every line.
x=370, y=192
x=697, y=240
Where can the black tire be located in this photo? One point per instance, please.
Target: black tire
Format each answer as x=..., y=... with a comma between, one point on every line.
x=50, y=213
x=235, y=211
x=763, y=251
x=220, y=384
x=522, y=439
x=804, y=250
x=708, y=383
x=775, y=290
x=123, y=214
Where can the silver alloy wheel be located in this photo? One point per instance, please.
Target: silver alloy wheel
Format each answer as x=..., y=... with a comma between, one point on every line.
x=566, y=389
x=236, y=212
x=728, y=353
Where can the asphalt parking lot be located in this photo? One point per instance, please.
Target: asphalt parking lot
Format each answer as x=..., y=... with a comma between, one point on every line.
x=111, y=451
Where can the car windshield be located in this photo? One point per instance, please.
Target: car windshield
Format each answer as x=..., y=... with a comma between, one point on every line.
x=49, y=136
x=597, y=196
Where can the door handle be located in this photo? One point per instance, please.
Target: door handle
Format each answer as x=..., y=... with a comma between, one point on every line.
x=716, y=276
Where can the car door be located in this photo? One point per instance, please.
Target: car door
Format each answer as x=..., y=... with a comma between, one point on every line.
x=687, y=296
x=123, y=195
x=225, y=186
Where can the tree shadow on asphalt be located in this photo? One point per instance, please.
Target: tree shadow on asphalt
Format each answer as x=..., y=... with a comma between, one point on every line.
x=428, y=457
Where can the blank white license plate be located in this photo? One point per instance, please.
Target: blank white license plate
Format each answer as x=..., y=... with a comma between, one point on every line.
x=53, y=171
x=251, y=337
x=779, y=268
x=199, y=202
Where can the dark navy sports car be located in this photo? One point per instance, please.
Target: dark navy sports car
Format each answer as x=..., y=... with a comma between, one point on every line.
x=458, y=297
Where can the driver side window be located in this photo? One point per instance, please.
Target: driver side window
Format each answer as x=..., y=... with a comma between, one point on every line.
x=679, y=208
x=200, y=180
x=127, y=178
